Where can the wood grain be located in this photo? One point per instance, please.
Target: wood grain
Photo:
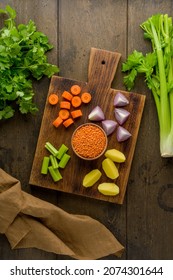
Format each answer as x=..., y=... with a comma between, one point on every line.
x=101, y=71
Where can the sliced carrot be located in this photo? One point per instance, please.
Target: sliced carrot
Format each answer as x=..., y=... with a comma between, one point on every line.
x=65, y=105
x=67, y=95
x=68, y=122
x=57, y=122
x=75, y=89
x=76, y=101
x=76, y=113
x=53, y=99
x=64, y=114
x=86, y=97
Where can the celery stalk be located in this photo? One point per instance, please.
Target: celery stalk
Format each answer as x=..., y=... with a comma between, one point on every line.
x=158, y=70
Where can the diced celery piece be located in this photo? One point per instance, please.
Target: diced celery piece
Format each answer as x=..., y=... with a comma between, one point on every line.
x=51, y=149
x=64, y=160
x=53, y=161
x=55, y=174
x=62, y=150
x=45, y=164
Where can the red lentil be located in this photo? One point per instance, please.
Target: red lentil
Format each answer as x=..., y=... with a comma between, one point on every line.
x=89, y=141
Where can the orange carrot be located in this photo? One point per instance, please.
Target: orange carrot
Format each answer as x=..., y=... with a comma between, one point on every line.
x=86, y=97
x=67, y=95
x=75, y=89
x=68, y=122
x=76, y=113
x=53, y=99
x=65, y=105
x=76, y=101
x=64, y=114
x=57, y=122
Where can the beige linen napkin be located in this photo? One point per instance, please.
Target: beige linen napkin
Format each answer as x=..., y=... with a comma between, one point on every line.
x=31, y=222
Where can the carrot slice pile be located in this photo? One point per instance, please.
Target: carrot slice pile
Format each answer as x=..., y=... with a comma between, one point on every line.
x=71, y=98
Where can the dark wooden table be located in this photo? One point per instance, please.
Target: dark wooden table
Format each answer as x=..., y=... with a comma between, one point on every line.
x=144, y=223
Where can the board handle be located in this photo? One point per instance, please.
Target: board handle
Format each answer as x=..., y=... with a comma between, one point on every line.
x=102, y=68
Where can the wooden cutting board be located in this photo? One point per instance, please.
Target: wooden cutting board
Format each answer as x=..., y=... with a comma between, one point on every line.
x=101, y=71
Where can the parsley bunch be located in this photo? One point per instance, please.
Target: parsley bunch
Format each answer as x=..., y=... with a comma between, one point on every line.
x=22, y=56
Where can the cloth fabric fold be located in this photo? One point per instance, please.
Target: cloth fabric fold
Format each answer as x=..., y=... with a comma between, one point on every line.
x=29, y=222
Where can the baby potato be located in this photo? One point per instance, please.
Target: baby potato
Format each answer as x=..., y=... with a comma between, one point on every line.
x=110, y=168
x=110, y=189
x=91, y=178
x=115, y=155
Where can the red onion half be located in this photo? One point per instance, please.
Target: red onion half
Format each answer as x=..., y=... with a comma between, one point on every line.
x=96, y=114
x=121, y=115
x=120, y=100
x=122, y=134
x=109, y=126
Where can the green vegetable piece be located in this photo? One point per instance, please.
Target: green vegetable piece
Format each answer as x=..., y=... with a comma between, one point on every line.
x=110, y=168
x=45, y=164
x=51, y=149
x=53, y=161
x=22, y=57
x=157, y=68
x=55, y=174
x=91, y=178
x=62, y=150
x=115, y=155
x=110, y=189
x=64, y=160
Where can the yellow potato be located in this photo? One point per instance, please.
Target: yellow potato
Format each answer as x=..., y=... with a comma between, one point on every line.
x=108, y=189
x=110, y=168
x=115, y=155
x=91, y=178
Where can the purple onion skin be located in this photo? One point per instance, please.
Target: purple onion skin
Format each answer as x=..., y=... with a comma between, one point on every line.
x=109, y=126
x=122, y=134
x=120, y=100
x=96, y=114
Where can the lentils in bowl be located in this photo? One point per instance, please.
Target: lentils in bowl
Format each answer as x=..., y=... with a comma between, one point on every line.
x=89, y=141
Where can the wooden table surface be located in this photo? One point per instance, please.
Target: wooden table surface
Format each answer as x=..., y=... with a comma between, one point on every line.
x=144, y=223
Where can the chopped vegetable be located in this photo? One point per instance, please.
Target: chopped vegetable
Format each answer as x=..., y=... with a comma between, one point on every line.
x=91, y=178
x=65, y=105
x=110, y=168
x=23, y=57
x=76, y=114
x=109, y=126
x=110, y=189
x=120, y=100
x=53, y=99
x=64, y=114
x=62, y=150
x=96, y=114
x=53, y=161
x=75, y=89
x=64, y=160
x=157, y=68
x=55, y=174
x=68, y=122
x=86, y=97
x=76, y=101
x=115, y=155
x=45, y=164
x=51, y=149
x=67, y=95
x=122, y=134
x=57, y=122
x=121, y=115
